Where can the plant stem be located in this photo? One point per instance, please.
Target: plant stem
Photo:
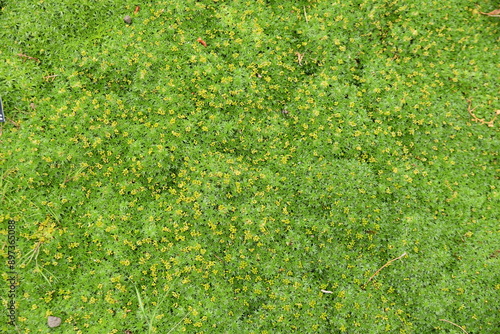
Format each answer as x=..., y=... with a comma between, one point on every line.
x=385, y=265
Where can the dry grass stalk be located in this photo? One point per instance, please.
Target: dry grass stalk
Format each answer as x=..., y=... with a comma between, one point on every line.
x=454, y=324
x=385, y=265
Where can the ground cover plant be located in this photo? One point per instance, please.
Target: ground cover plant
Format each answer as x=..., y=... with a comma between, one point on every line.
x=250, y=166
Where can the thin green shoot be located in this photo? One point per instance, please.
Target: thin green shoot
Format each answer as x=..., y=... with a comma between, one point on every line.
x=150, y=318
x=31, y=256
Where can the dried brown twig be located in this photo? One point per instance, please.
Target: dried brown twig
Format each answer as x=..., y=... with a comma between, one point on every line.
x=300, y=56
x=46, y=78
x=454, y=324
x=385, y=265
x=28, y=57
x=481, y=120
x=13, y=123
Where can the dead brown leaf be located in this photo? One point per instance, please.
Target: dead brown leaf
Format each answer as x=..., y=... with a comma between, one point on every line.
x=202, y=42
x=494, y=254
x=495, y=13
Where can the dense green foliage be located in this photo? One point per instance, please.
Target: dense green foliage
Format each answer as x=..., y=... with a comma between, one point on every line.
x=161, y=184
